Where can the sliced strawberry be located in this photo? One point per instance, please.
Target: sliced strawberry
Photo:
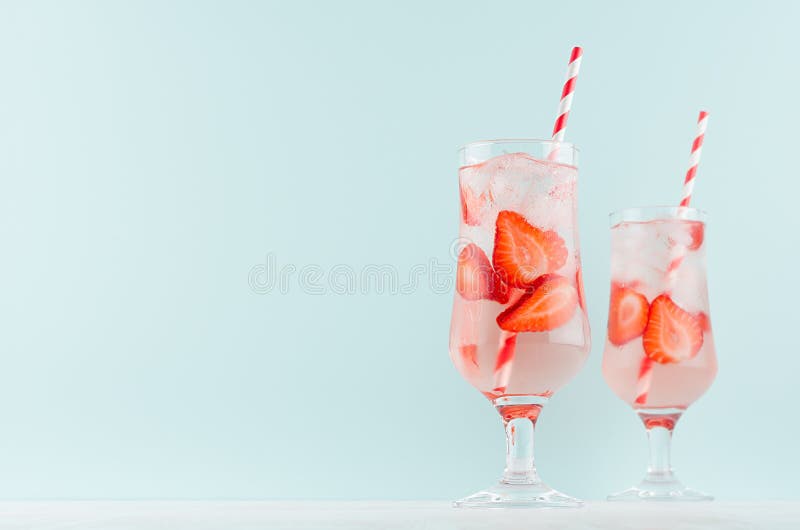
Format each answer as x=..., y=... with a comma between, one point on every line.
x=469, y=353
x=579, y=283
x=544, y=278
x=523, y=252
x=470, y=206
x=627, y=314
x=672, y=334
x=704, y=320
x=547, y=307
x=475, y=278
x=697, y=230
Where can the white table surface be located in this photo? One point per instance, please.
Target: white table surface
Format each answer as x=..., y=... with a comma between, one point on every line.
x=235, y=515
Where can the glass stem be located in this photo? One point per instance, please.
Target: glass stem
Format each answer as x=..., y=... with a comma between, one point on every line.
x=519, y=414
x=660, y=445
x=520, y=468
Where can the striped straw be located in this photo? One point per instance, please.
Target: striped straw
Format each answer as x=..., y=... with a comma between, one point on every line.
x=646, y=369
x=508, y=340
x=560, y=128
x=644, y=381
x=694, y=158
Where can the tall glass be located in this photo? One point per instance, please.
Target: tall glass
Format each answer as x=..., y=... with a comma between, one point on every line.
x=519, y=329
x=659, y=355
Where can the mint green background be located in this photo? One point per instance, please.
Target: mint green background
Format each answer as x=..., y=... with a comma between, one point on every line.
x=152, y=153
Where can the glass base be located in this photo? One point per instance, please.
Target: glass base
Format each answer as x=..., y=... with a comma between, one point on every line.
x=668, y=489
x=506, y=495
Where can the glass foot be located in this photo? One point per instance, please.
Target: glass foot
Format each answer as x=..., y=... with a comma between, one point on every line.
x=660, y=489
x=506, y=495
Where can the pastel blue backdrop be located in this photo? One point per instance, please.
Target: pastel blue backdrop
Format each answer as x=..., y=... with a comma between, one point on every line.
x=154, y=154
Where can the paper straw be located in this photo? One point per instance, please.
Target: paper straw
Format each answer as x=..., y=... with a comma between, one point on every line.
x=694, y=158
x=560, y=128
x=565, y=105
x=645, y=379
x=507, y=340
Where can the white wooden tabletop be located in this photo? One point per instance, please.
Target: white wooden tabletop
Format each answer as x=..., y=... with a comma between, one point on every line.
x=236, y=515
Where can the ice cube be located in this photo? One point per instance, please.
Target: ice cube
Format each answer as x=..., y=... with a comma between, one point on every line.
x=688, y=284
x=513, y=179
x=550, y=212
x=541, y=191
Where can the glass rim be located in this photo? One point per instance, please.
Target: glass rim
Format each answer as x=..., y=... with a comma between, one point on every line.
x=643, y=214
x=478, y=143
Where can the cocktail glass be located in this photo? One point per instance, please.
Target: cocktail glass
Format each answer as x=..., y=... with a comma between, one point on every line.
x=659, y=355
x=519, y=330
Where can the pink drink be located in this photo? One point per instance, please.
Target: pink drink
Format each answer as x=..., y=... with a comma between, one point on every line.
x=531, y=281
x=660, y=354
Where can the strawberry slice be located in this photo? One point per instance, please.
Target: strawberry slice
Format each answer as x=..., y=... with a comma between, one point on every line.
x=697, y=230
x=672, y=334
x=475, y=278
x=704, y=320
x=579, y=284
x=541, y=280
x=627, y=314
x=469, y=353
x=470, y=206
x=550, y=305
x=523, y=252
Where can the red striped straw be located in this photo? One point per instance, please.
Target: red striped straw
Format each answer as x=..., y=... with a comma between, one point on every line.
x=560, y=128
x=646, y=369
x=508, y=340
x=694, y=158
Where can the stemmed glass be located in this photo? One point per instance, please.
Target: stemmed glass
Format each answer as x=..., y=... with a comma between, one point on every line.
x=519, y=330
x=659, y=355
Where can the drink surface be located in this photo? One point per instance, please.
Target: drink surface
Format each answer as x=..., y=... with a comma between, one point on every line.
x=659, y=350
x=519, y=326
